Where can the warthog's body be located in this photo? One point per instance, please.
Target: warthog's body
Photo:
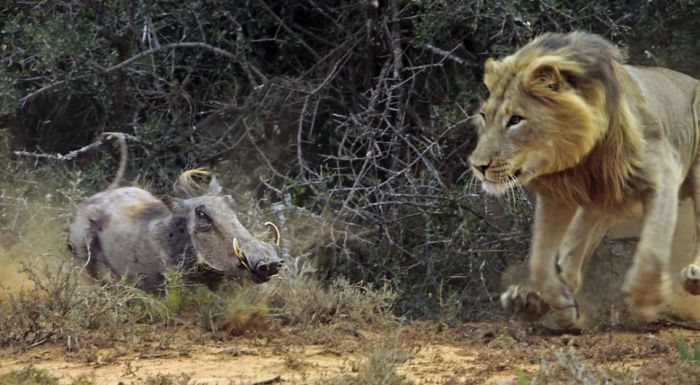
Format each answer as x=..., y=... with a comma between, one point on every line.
x=139, y=236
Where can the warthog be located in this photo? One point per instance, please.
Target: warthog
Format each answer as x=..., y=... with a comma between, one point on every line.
x=198, y=232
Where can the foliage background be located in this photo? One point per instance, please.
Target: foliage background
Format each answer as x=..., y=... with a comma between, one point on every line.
x=344, y=120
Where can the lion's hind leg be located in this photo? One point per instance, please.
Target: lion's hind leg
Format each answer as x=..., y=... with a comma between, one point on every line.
x=647, y=285
x=690, y=275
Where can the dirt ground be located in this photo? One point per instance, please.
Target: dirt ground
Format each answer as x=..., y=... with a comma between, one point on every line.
x=467, y=354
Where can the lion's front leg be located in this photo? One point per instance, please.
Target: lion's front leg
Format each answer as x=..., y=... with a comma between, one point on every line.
x=548, y=292
x=647, y=285
x=582, y=238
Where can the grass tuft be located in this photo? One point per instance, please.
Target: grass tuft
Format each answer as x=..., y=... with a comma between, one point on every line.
x=379, y=368
x=34, y=376
x=688, y=352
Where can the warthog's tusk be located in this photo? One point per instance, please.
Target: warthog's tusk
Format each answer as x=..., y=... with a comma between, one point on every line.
x=275, y=232
x=239, y=254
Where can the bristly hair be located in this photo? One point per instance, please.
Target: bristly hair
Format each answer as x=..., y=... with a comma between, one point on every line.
x=609, y=168
x=192, y=183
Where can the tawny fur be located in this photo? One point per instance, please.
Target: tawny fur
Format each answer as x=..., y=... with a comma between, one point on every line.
x=598, y=141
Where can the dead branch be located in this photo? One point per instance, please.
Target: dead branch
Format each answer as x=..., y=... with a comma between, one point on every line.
x=99, y=141
x=449, y=55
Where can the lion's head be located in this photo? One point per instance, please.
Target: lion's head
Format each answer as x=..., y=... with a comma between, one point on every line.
x=548, y=107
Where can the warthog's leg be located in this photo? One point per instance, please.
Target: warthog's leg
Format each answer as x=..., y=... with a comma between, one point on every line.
x=584, y=234
x=552, y=220
x=647, y=284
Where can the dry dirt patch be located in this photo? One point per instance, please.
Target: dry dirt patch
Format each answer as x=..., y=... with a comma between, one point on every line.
x=468, y=354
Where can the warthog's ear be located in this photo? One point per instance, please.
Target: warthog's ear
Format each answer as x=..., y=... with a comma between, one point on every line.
x=214, y=186
x=230, y=201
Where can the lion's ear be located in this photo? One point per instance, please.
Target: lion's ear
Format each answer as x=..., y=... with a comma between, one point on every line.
x=491, y=71
x=550, y=75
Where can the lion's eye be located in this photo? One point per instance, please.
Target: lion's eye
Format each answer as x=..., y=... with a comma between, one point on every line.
x=514, y=119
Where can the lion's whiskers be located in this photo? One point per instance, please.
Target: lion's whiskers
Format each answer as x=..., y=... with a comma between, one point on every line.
x=512, y=199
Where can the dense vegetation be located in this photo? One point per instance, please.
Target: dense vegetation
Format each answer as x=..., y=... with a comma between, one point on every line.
x=343, y=115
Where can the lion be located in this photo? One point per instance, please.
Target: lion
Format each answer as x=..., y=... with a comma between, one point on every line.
x=597, y=141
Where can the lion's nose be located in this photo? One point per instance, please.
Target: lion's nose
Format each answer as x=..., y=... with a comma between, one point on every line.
x=482, y=167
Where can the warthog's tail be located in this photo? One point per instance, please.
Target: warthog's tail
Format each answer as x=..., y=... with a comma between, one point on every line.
x=123, y=154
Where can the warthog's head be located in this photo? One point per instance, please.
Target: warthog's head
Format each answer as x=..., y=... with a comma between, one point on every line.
x=221, y=243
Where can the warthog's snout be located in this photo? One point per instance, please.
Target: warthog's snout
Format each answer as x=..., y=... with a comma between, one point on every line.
x=261, y=259
x=268, y=269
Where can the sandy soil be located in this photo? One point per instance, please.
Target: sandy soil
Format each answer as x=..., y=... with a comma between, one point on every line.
x=468, y=354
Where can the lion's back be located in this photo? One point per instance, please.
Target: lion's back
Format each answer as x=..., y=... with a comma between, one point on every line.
x=674, y=98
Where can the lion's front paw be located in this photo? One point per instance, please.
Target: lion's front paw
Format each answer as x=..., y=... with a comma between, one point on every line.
x=690, y=279
x=646, y=293
x=524, y=302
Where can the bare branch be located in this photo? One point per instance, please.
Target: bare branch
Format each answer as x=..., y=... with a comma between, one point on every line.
x=449, y=55
x=99, y=141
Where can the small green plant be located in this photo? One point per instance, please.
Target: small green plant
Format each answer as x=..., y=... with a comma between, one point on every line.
x=34, y=376
x=522, y=377
x=688, y=352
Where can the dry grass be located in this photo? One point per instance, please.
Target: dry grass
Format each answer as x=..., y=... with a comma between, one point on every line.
x=298, y=297
x=379, y=367
x=33, y=376
x=61, y=308
x=567, y=367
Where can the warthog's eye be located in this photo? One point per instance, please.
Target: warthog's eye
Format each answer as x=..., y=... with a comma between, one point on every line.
x=514, y=119
x=202, y=221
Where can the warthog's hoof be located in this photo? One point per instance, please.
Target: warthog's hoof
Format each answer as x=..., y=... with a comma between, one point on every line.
x=690, y=279
x=524, y=302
